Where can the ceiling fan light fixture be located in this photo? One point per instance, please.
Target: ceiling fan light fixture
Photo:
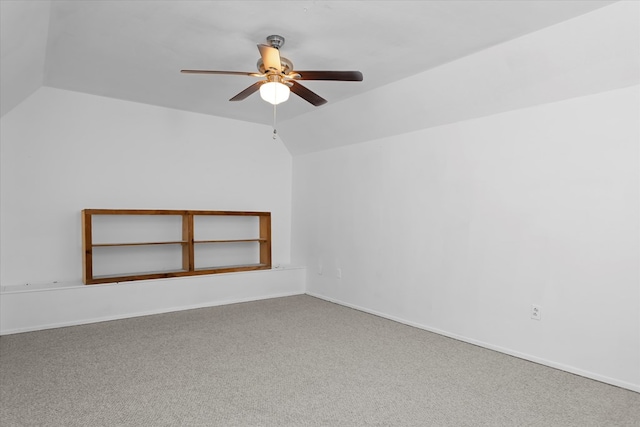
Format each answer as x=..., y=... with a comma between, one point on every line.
x=274, y=92
x=280, y=77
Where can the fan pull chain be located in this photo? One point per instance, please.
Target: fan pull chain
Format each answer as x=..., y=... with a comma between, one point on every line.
x=275, y=133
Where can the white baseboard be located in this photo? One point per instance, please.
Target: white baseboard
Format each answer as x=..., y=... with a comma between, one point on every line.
x=144, y=313
x=33, y=308
x=520, y=355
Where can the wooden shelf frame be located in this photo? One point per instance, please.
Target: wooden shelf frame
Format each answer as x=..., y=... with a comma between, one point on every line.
x=187, y=243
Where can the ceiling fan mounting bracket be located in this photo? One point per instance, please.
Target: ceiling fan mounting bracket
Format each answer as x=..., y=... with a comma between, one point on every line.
x=275, y=41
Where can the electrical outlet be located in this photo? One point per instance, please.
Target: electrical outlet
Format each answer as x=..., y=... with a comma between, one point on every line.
x=320, y=269
x=536, y=312
x=339, y=273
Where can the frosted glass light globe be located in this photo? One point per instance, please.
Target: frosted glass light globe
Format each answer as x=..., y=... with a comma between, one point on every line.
x=274, y=92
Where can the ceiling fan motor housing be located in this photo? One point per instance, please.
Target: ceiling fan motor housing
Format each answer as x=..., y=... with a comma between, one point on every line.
x=286, y=64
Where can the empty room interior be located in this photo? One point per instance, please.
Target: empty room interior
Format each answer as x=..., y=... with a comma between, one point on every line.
x=455, y=181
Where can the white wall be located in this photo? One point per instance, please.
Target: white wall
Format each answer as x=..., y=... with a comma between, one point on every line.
x=63, y=151
x=461, y=228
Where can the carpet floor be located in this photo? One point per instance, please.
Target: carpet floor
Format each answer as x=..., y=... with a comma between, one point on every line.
x=294, y=361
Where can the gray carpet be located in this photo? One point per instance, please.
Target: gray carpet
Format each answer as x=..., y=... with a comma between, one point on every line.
x=296, y=361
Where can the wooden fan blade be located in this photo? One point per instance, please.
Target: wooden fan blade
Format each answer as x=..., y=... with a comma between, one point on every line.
x=306, y=94
x=270, y=58
x=232, y=73
x=248, y=91
x=347, y=76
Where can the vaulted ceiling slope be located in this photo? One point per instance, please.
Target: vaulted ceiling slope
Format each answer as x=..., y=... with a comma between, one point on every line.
x=24, y=26
x=133, y=50
x=592, y=53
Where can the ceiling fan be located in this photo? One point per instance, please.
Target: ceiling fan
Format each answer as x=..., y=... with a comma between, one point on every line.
x=279, y=77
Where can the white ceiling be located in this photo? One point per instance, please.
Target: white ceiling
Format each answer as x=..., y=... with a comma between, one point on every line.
x=134, y=50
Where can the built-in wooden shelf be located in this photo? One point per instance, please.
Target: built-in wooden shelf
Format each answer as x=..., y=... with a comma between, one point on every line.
x=188, y=244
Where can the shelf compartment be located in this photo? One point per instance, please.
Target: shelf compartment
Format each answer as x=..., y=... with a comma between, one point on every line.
x=132, y=259
x=220, y=254
x=225, y=227
x=129, y=229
